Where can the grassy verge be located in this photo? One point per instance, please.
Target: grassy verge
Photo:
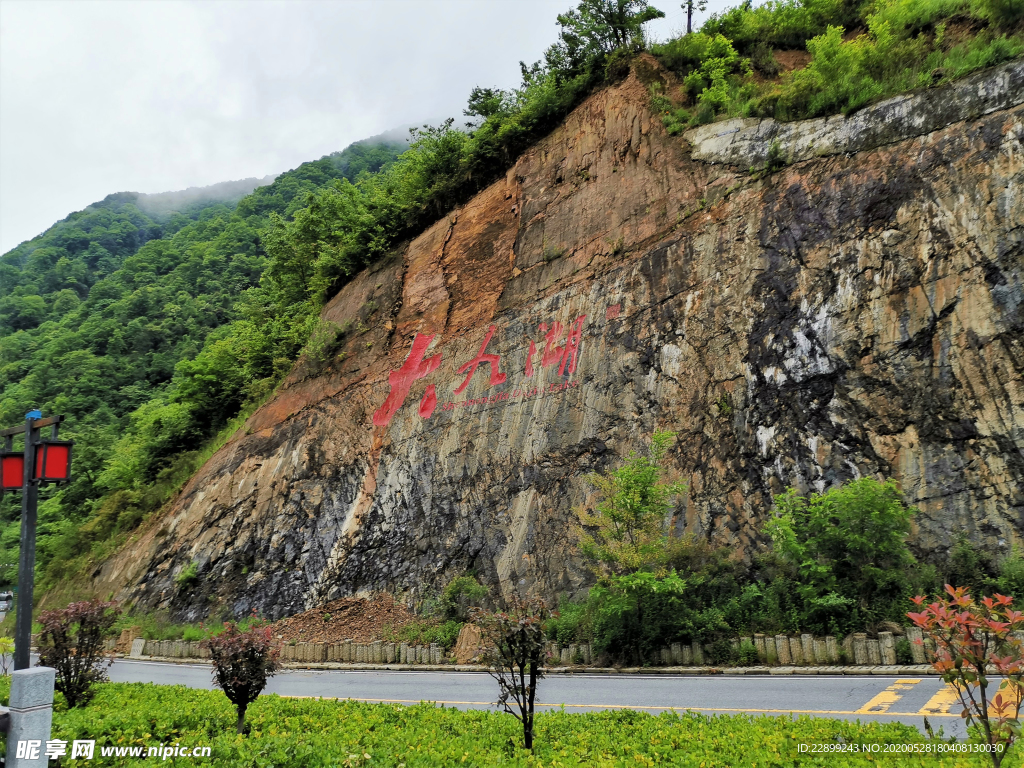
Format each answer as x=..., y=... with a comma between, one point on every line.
x=314, y=732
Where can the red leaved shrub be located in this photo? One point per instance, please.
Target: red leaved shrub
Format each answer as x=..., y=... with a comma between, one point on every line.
x=242, y=662
x=973, y=640
x=72, y=643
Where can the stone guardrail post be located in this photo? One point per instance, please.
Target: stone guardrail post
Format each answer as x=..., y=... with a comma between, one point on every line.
x=31, y=715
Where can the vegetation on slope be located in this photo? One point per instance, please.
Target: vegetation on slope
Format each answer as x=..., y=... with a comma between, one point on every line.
x=858, y=53
x=840, y=563
x=108, y=316
x=156, y=336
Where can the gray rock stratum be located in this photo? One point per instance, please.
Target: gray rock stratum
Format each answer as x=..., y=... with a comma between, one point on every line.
x=858, y=312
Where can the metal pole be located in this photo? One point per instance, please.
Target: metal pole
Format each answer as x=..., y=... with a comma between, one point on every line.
x=27, y=555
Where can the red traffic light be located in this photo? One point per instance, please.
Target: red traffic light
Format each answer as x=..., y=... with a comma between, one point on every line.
x=53, y=461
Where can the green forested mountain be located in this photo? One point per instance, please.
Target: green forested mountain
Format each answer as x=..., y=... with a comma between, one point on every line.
x=153, y=321
x=98, y=313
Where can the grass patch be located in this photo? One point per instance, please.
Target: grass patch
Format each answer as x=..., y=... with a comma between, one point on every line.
x=315, y=732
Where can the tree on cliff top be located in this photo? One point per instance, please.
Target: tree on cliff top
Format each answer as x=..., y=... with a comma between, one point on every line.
x=627, y=530
x=597, y=27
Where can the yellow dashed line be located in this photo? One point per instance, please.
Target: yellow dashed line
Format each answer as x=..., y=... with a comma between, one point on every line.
x=880, y=704
x=940, y=703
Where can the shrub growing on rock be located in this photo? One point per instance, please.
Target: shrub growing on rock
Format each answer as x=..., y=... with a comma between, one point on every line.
x=242, y=662
x=72, y=643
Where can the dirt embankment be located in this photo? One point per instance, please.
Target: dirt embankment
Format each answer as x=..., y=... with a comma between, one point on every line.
x=348, y=618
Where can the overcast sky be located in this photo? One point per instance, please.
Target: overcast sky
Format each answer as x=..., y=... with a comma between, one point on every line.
x=151, y=96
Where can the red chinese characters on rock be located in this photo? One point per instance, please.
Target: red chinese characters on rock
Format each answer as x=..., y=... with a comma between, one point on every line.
x=497, y=377
x=401, y=381
x=564, y=355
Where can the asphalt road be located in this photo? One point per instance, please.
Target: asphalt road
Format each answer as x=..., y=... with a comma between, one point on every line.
x=906, y=700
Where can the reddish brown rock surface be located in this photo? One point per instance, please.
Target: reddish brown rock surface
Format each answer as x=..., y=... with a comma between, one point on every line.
x=857, y=314
x=359, y=619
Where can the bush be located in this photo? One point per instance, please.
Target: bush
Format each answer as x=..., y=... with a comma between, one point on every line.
x=1011, y=575
x=904, y=652
x=425, y=632
x=71, y=641
x=849, y=548
x=1001, y=12
x=461, y=594
x=188, y=577
x=721, y=652
x=573, y=623
x=242, y=662
x=626, y=532
x=746, y=655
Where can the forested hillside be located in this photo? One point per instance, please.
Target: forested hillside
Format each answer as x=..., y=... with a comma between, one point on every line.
x=101, y=315
x=153, y=331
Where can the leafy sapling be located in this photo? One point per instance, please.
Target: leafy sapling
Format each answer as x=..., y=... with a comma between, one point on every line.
x=514, y=649
x=242, y=662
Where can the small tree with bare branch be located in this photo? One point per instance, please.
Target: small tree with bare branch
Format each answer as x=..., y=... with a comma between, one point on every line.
x=512, y=644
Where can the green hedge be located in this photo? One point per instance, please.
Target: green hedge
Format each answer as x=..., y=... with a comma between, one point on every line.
x=314, y=732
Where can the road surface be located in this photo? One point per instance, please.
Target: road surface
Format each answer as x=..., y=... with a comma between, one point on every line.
x=887, y=699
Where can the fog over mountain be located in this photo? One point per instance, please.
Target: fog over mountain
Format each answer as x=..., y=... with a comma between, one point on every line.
x=99, y=97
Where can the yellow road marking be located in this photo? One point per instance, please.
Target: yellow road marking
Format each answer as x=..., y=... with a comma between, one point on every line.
x=880, y=704
x=940, y=703
x=626, y=706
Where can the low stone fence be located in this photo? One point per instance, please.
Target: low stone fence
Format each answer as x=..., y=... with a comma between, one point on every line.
x=377, y=652
x=778, y=650
x=345, y=652
x=781, y=650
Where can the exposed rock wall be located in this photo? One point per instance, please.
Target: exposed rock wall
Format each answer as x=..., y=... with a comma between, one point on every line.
x=858, y=314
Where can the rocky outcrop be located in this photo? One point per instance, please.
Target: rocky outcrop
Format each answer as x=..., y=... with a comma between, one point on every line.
x=857, y=314
x=747, y=142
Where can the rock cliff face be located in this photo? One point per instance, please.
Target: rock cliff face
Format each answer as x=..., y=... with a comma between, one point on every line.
x=858, y=312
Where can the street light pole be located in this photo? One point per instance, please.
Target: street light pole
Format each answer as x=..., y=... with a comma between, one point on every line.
x=42, y=461
x=27, y=554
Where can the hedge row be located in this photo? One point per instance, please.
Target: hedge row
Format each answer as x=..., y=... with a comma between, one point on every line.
x=314, y=732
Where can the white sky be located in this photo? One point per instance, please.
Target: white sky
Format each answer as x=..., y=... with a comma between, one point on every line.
x=154, y=95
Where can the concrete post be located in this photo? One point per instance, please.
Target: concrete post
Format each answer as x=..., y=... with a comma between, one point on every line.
x=848, y=649
x=677, y=654
x=31, y=717
x=831, y=649
x=762, y=648
x=860, y=648
x=807, y=645
x=820, y=652
x=796, y=651
x=138, y=646
x=782, y=649
x=888, y=647
x=874, y=653
x=916, y=638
